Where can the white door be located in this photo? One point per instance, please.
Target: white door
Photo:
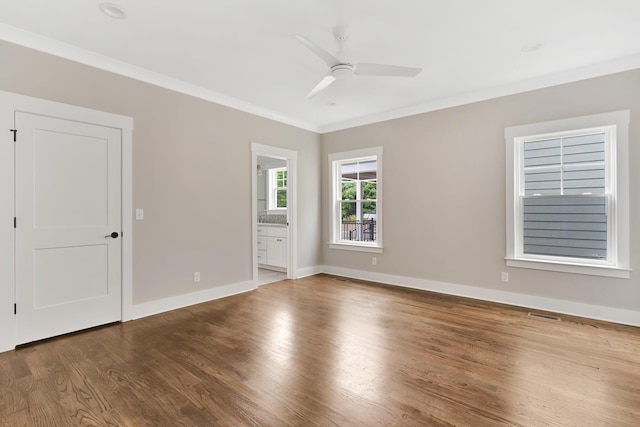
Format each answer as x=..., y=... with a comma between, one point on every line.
x=68, y=204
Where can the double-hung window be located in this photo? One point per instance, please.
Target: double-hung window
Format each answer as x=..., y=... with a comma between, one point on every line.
x=278, y=189
x=567, y=202
x=356, y=200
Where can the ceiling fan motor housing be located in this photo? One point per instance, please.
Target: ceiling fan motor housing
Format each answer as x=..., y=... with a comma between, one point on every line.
x=339, y=68
x=340, y=71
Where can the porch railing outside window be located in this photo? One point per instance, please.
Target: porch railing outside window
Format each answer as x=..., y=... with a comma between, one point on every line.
x=359, y=231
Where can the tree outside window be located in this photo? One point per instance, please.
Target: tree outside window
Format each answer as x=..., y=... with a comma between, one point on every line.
x=278, y=188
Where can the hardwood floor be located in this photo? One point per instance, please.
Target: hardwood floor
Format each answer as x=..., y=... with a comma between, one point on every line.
x=322, y=351
x=269, y=276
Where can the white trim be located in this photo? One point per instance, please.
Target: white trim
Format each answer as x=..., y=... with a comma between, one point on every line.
x=73, y=53
x=76, y=54
x=127, y=223
x=565, y=267
x=357, y=248
x=619, y=184
x=334, y=214
x=308, y=271
x=583, y=73
x=184, y=300
x=590, y=311
x=291, y=157
x=7, y=291
x=9, y=103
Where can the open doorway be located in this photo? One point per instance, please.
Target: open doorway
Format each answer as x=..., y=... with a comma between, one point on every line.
x=272, y=182
x=273, y=206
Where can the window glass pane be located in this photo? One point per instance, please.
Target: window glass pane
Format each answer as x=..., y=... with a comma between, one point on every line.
x=281, y=179
x=367, y=170
x=542, y=182
x=368, y=190
x=542, y=153
x=565, y=226
x=352, y=229
x=281, y=198
x=583, y=148
x=348, y=210
x=555, y=225
x=349, y=170
x=586, y=179
x=565, y=166
x=369, y=211
x=349, y=190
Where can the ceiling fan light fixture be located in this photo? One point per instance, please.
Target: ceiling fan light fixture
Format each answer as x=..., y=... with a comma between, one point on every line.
x=342, y=71
x=112, y=10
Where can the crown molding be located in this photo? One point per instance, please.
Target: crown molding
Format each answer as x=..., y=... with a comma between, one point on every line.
x=76, y=54
x=64, y=50
x=569, y=76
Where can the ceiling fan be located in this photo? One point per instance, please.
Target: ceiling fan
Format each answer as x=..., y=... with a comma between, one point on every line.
x=339, y=68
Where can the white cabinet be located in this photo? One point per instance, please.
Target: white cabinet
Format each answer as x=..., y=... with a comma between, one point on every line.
x=272, y=246
x=262, y=244
x=277, y=251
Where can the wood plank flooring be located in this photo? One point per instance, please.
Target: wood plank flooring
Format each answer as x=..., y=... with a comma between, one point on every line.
x=323, y=351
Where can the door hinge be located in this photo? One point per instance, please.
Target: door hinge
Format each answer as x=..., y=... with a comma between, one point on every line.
x=15, y=308
x=15, y=222
x=15, y=132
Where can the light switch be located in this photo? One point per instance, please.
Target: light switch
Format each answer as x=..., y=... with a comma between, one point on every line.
x=139, y=214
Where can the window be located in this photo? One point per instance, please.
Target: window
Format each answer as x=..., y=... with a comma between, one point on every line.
x=356, y=217
x=278, y=189
x=567, y=204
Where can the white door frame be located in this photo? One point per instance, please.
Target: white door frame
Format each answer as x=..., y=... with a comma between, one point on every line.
x=292, y=211
x=9, y=104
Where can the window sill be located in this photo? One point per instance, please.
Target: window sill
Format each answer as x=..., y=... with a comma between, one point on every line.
x=576, y=268
x=356, y=247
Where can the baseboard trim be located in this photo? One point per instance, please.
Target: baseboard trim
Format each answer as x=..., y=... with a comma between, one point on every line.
x=308, y=271
x=590, y=311
x=179, y=301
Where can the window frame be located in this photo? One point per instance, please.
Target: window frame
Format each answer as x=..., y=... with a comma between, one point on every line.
x=615, y=124
x=335, y=160
x=272, y=184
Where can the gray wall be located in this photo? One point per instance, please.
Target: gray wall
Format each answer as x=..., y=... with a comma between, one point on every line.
x=444, y=191
x=444, y=182
x=191, y=172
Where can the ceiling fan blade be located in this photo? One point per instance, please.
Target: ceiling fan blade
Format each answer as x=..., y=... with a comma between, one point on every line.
x=385, y=70
x=324, y=83
x=323, y=54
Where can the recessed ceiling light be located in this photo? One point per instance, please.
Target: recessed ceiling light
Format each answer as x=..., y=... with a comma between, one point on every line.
x=112, y=10
x=531, y=47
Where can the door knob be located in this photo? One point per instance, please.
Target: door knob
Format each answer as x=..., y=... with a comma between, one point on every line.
x=113, y=235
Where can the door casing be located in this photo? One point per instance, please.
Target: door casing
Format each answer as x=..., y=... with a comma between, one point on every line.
x=291, y=157
x=9, y=104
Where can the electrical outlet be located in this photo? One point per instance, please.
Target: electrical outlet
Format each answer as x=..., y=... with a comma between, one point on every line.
x=505, y=276
x=196, y=277
x=374, y=261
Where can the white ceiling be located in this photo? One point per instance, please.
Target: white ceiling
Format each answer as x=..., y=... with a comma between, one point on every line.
x=242, y=53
